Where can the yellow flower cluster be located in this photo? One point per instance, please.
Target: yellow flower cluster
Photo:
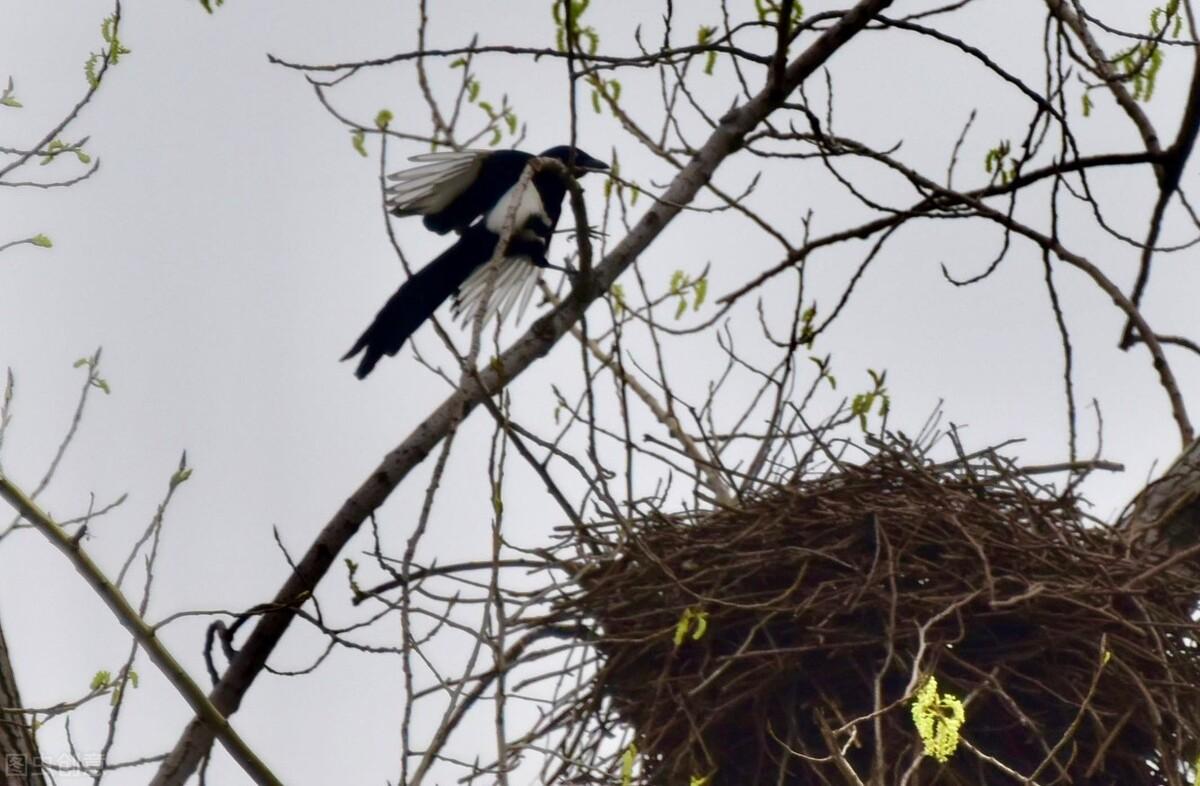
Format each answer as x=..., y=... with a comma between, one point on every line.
x=938, y=719
x=694, y=621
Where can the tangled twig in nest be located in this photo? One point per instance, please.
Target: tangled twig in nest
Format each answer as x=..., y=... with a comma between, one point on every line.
x=782, y=642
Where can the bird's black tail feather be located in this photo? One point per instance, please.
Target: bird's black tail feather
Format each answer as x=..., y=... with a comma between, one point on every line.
x=419, y=297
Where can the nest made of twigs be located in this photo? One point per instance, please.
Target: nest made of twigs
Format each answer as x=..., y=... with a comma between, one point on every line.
x=827, y=602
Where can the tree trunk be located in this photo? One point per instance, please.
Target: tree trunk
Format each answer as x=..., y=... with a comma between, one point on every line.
x=19, y=761
x=1166, y=514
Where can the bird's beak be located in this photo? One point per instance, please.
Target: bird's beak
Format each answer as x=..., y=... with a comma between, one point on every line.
x=591, y=165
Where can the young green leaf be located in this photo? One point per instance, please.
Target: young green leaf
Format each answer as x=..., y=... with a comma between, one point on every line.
x=7, y=98
x=627, y=761
x=181, y=476
x=356, y=139
x=618, y=295
x=108, y=31
x=823, y=370
x=41, y=241
x=769, y=8
x=681, y=627
x=995, y=157
x=497, y=500
x=89, y=71
x=52, y=150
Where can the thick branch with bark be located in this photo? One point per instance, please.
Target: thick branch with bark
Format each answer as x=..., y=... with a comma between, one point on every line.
x=20, y=764
x=1165, y=516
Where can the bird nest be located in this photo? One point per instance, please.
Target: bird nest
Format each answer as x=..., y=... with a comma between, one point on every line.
x=786, y=641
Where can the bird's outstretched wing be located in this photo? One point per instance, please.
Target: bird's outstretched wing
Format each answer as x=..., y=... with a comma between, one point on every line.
x=453, y=188
x=433, y=186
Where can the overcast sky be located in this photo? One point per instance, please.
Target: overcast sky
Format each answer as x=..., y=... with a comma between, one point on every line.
x=232, y=246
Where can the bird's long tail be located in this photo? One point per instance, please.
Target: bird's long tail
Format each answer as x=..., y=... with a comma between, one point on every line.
x=419, y=297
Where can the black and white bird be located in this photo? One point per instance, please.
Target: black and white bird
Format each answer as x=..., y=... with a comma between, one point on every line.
x=472, y=192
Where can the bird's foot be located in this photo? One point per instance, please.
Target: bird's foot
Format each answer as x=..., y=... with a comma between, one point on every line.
x=593, y=233
x=569, y=272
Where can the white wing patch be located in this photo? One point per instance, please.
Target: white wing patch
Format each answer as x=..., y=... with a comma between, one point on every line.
x=515, y=277
x=429, y=188
x=529, y=206
x=515, y=280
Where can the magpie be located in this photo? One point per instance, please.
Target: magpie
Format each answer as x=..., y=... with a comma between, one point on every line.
x=453, y=188
x=471, y=192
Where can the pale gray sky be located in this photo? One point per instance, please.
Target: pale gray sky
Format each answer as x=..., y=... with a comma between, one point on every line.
x=231, y=247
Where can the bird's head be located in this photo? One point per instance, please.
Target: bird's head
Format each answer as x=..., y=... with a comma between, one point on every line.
x=582, y=163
